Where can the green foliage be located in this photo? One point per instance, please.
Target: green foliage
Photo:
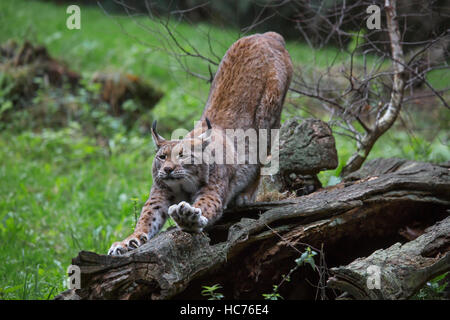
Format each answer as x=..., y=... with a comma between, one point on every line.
x=104, y=43
x=396, y=143
x=211, y=292
x=274, y=295
x=433, y=289
x=357, y=39
x=306, y=257
x=62, y=193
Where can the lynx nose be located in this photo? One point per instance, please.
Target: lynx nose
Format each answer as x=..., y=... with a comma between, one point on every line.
x=168, y=169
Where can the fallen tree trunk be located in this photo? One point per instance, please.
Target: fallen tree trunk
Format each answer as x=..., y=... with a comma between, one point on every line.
x=399, y=271
x=251, y=248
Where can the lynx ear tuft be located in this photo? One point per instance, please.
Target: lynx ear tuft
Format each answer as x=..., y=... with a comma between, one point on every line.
x=206, y=136
x=157, y=139
x=208, y=123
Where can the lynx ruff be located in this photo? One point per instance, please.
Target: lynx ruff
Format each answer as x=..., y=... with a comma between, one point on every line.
x=219, y=163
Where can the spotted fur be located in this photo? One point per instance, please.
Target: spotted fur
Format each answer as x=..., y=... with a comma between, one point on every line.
x=248, y=91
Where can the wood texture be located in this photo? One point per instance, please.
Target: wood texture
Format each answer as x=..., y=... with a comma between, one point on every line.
x=402, y=269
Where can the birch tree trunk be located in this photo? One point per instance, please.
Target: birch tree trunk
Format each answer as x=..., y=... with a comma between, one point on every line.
x=387, y=115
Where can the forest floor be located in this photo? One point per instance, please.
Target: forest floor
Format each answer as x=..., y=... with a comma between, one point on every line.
x=62, y=192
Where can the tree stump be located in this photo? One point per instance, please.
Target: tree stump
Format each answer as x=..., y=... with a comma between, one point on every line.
x=306, y=148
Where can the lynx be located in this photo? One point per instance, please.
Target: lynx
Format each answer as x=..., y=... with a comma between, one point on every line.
x=247, y=92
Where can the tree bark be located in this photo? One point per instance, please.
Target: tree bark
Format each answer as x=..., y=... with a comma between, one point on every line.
x=250, y=249
x=399, y=271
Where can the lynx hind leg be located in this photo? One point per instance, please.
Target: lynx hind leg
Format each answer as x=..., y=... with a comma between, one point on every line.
x=248, y=195
x=187, y=217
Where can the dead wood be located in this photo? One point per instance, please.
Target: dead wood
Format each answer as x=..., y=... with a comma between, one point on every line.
x=250, y=249
x=399, y=271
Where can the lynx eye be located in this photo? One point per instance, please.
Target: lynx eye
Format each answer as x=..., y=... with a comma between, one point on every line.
x=162, y=156
x=180, y=154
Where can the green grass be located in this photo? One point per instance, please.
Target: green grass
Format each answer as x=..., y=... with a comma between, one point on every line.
x=60, y=192
x=108, y=41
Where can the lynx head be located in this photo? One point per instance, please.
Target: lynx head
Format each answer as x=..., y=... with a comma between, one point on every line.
x=179, y=163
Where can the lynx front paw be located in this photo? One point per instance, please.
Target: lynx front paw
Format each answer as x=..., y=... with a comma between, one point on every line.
x=188, y=218
x=132, y=242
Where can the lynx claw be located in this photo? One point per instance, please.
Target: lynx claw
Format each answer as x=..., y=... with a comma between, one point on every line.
x=187, y=217
x=117, y=249
x=132, y=242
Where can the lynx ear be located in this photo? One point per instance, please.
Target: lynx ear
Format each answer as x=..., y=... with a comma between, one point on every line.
x=157, y=139
x=206, y=136
x=208, y=123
